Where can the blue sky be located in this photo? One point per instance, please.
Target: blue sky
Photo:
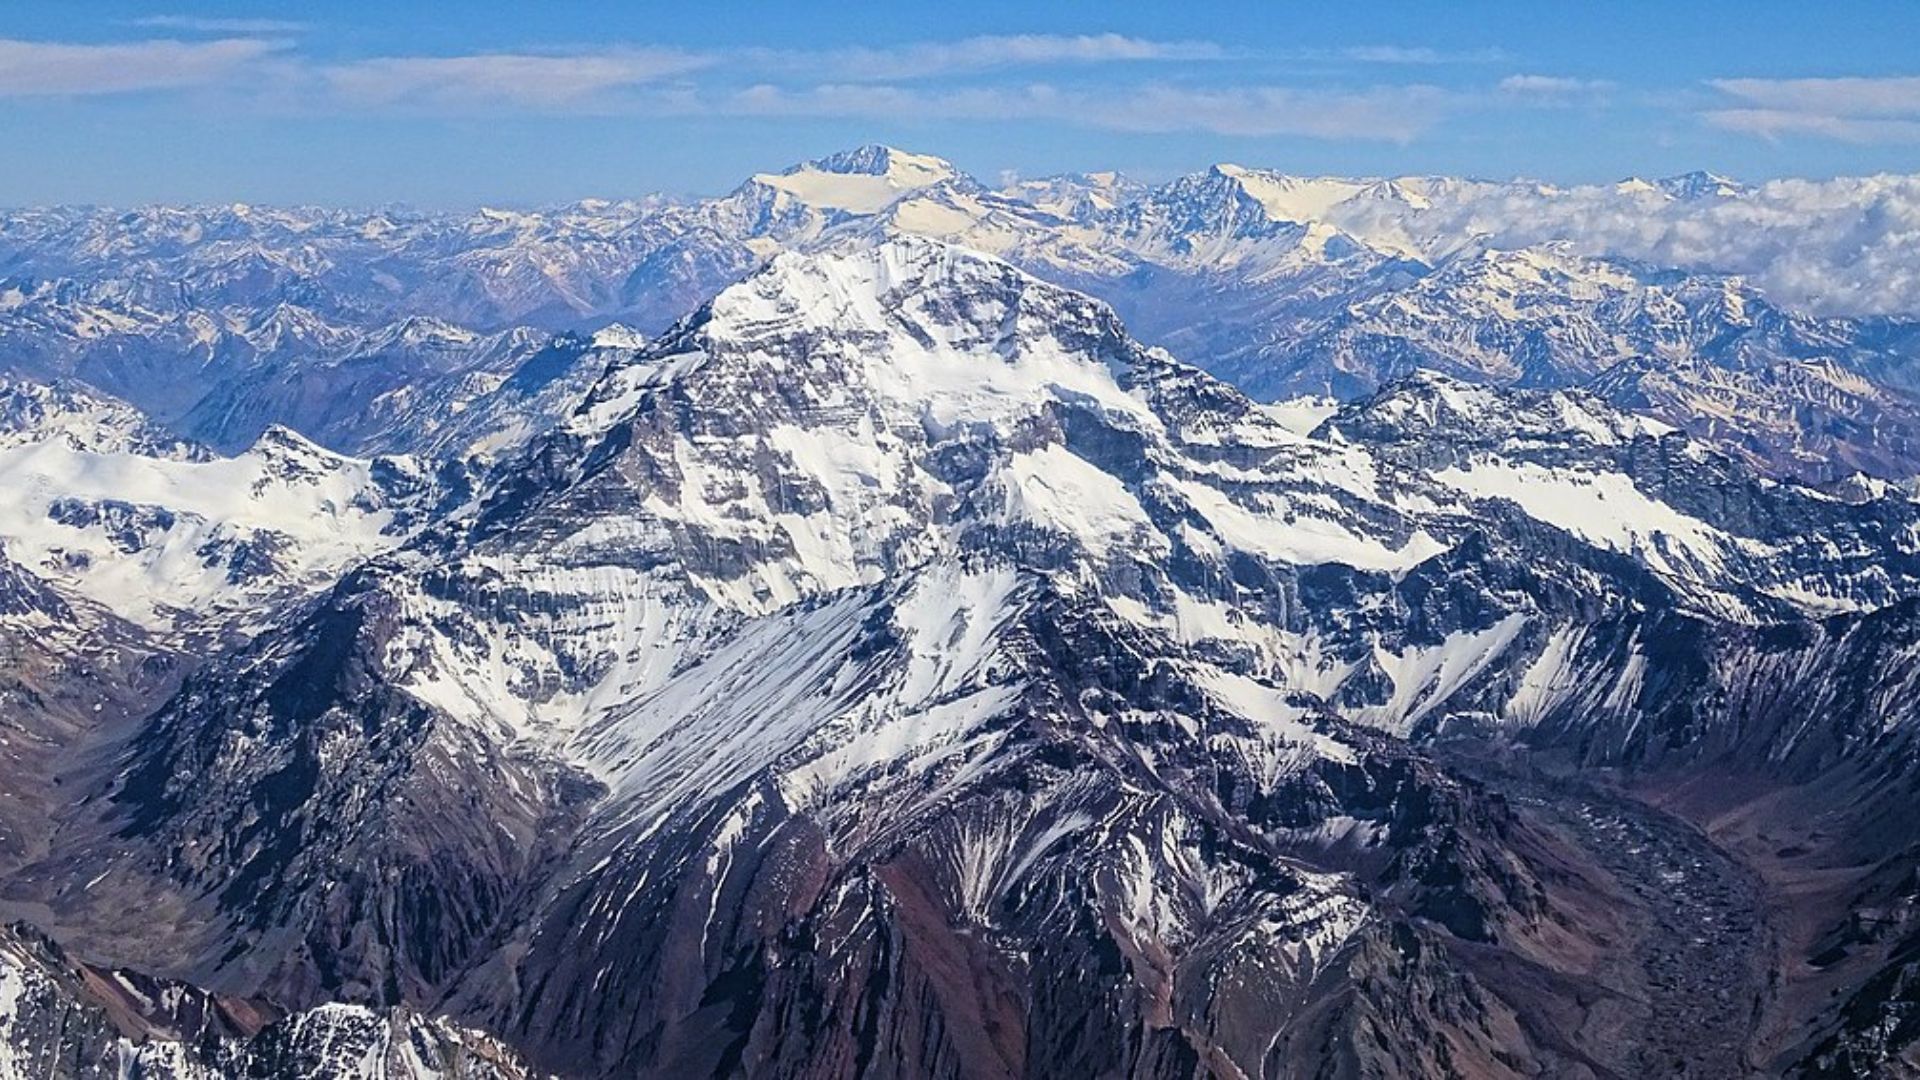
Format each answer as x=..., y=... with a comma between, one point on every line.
x=520, y=103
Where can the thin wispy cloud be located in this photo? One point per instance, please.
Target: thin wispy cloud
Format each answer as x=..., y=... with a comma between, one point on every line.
x=1392, y=114
x=549, y=80
x=1775, y=124
x=1850, y=109
x=198, y=25
x=1549, y=84
x=523, y=79
x=971, y=78
x=1414, y=55
x=1552, y=88
x=42, y=69
x=1898, y=96
x=929, y=59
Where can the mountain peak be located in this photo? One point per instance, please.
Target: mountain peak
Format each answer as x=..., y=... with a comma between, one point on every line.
x=282, y=442
x=617, y=335
x=84, y=419
x=926, y=334
x=1701, y=184
x=419, y=331
x=876, y=159
x=863, y=180
x=950, y=298
x=1297, y=199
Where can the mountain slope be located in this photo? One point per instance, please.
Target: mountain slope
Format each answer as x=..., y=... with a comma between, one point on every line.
x=897, y=668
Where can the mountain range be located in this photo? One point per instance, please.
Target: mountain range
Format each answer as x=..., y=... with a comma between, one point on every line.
x=223, y=321
x=873, y=624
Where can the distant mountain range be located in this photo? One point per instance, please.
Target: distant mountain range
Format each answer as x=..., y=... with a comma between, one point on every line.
x=223, y=321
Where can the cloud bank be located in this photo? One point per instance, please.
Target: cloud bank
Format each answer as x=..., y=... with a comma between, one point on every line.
x=1839, y=247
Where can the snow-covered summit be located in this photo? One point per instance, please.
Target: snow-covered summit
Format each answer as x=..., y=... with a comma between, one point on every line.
x=188, y=540
x=859, y=181
x=82, y=418
x=875, y=159
x=1701, y=184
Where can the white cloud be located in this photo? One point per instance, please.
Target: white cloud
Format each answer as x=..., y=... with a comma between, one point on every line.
x=1841, y=247
x=1775, y=123
x=199, y=25
x=893, y=83
x=1831, y=97
x=586, y=78
x=1552, y=86
x=33, y=68
x=934, y=58
x=1394, y=114
x=1857, y=110
x=1419, y=54
x=522, y=79
x=546, y=80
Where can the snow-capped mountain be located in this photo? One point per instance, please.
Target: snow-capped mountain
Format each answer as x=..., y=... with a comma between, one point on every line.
x=900, y=652
x=896, y=667
x=83, y=419
x=175, y=538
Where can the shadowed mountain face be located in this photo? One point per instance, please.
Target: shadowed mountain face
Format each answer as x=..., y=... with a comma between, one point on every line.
x=895, y=668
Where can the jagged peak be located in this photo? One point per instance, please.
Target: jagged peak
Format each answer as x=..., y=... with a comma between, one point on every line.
x=1701, y=183
x=949, y=295
x=1283, y=197
x=417, y=330
x=1481, y=259
x=877, y=159
x=616, y=335
x=286, y=320
x=901, y=268
x=84, y=418
x=280, y=441
x=855, y=181
x=861, y=181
